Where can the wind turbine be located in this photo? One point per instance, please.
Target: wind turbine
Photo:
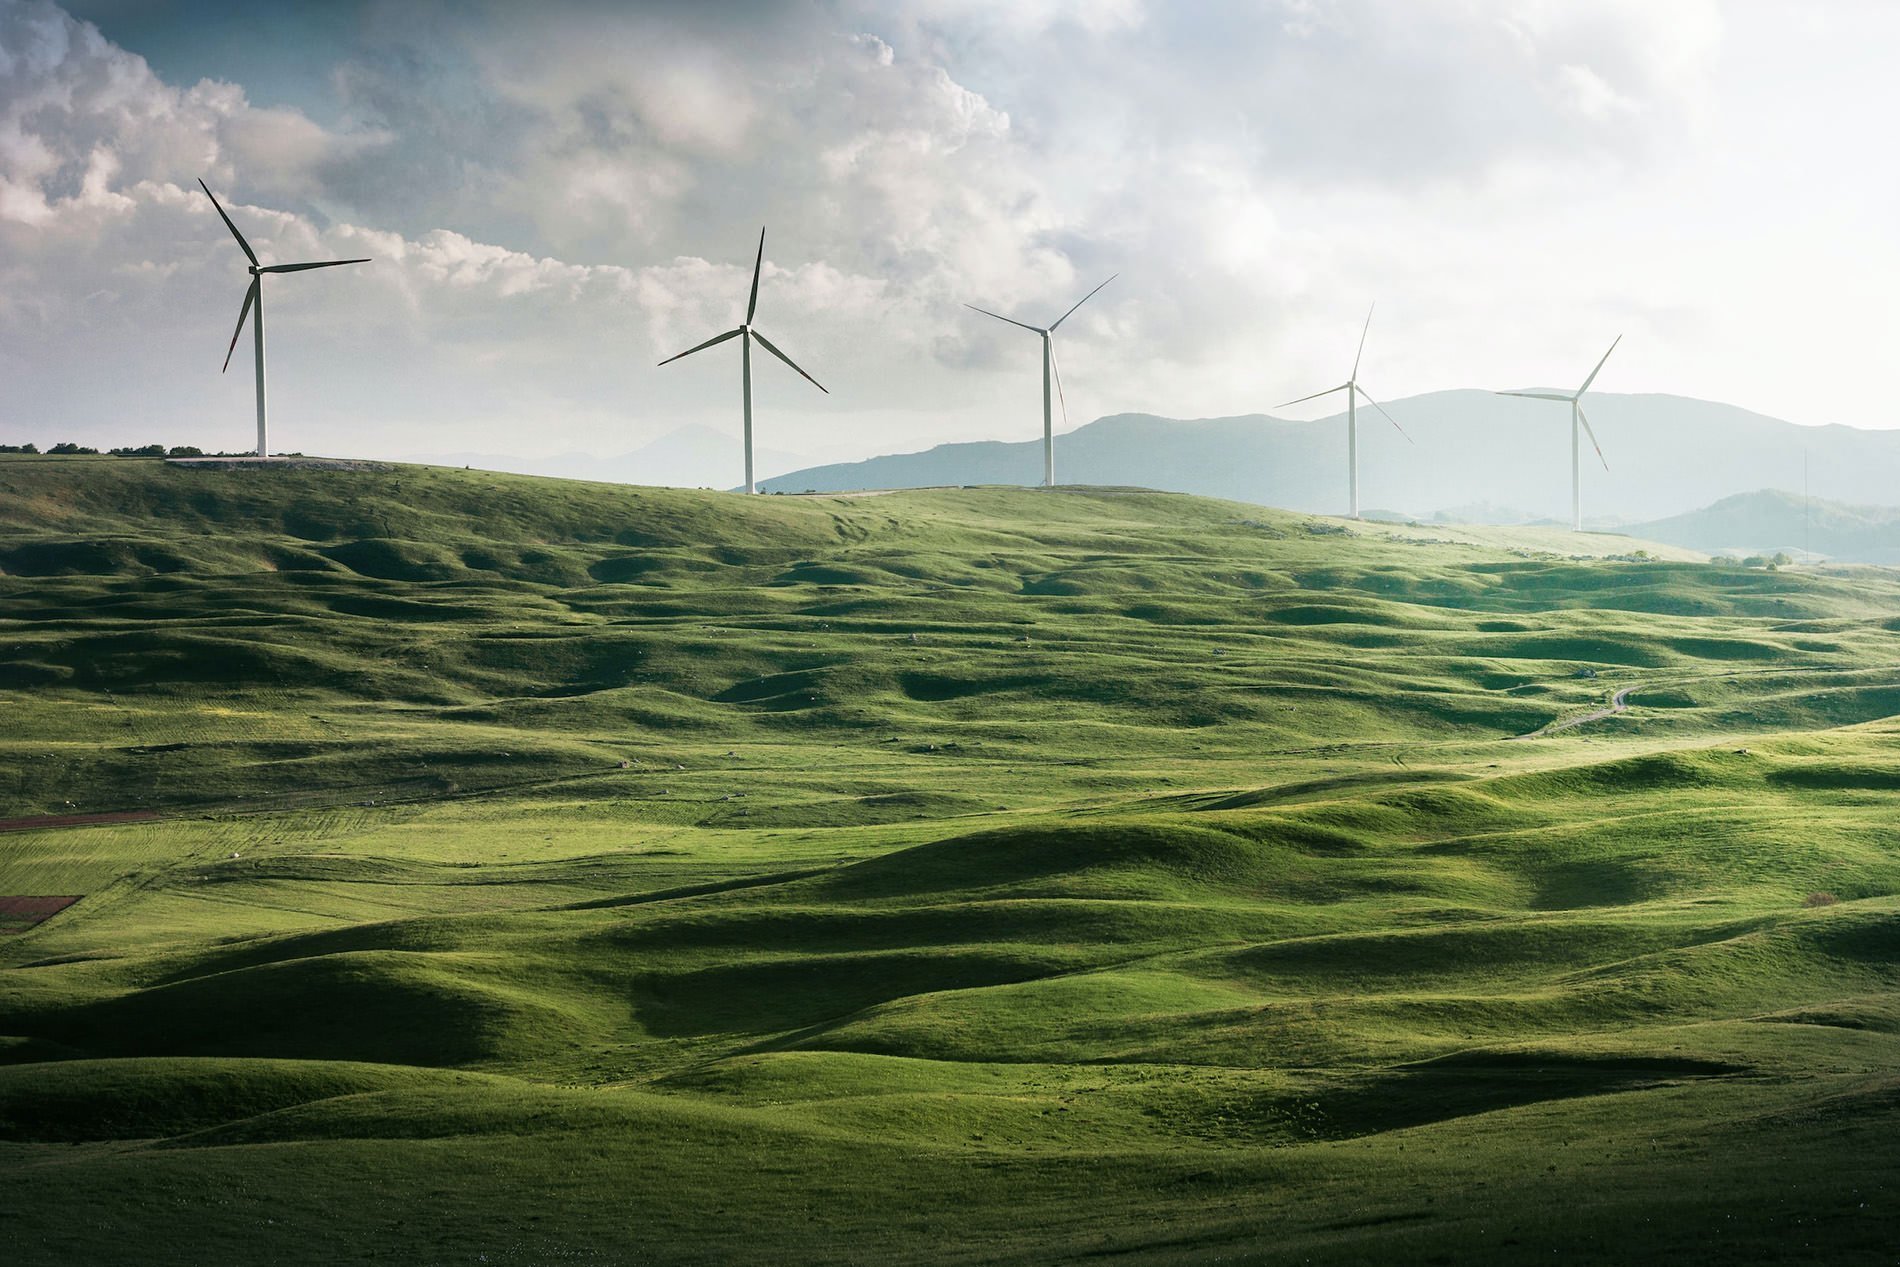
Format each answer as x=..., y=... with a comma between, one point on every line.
x=1049, y=370
x=746, y=334
x=1577, y=419
x=1353, y=392
x=254, y=297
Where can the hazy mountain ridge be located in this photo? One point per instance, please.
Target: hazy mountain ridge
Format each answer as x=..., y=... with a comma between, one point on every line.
x=1770, y=520
x=1469, y=449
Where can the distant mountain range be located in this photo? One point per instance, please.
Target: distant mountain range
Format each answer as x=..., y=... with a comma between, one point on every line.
x=1771, y=521
x=1475, y=456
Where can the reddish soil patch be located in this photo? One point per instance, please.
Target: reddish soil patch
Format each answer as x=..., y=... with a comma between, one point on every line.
x=37, y=821
x=17, y=914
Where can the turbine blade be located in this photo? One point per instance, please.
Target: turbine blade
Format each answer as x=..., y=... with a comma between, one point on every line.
x=1060, y=395
x=1000, y=317
x=250, y=297
x=752, y=304
x=717, y=338
x=249, y=254
x=1078, y=303
x=1536, y=395
x=1594, y=372
x=1315, y=396
x=767, y=344
x=298, y=268
x=1388, y=417
x=1589, y=431
x=1362, y=346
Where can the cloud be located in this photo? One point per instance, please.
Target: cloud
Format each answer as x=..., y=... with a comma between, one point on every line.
x=80, y=117
x=555, y=199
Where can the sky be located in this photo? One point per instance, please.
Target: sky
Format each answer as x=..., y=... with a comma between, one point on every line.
x=558, y=196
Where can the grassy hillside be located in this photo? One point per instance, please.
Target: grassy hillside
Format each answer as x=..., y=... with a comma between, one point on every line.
x=541, y=871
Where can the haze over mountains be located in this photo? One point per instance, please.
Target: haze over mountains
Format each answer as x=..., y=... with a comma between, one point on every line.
x=1693, y=473
x=686, y=457
x=1771, y=520
x=1474, y=456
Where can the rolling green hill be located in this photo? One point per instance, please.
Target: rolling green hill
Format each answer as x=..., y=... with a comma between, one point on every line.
x=488, y=868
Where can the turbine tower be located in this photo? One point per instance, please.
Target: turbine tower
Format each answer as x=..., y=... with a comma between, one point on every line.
x=746, y=333
x=1353, y=392
x=1577, y=421
x=1049, y=370
x=254, y=298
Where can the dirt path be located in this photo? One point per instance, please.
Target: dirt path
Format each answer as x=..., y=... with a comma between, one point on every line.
x=1619, y=702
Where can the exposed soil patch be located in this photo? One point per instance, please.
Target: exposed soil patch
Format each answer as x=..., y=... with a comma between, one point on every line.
x=282, y=463
x=35, y=822
x=17, y=914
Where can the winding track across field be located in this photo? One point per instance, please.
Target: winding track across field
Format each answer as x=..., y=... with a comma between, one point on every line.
x=1619, y=702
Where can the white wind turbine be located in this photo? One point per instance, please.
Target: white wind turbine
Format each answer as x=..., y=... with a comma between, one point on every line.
x=1577, y=421
x=1353, y=392
x=746, y=334
x=254, y=298
x=1049, y=370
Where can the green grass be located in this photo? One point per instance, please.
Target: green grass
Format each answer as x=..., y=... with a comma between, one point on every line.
x=558, y=872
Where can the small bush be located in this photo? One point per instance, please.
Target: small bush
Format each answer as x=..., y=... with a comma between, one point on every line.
x=1819, y=899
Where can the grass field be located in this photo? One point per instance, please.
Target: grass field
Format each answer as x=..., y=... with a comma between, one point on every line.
x=554, y=872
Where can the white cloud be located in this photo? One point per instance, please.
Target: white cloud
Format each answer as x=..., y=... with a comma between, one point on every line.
x=80, y=116
x=557, y=199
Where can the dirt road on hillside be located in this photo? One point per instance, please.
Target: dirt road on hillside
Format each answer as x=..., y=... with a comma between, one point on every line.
x=1619, y=702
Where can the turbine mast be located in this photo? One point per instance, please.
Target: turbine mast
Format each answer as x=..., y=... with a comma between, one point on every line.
x=1048, y=419
x=1352, y=445
x=257, y=345
x=1576, y=469
x=745, y=355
